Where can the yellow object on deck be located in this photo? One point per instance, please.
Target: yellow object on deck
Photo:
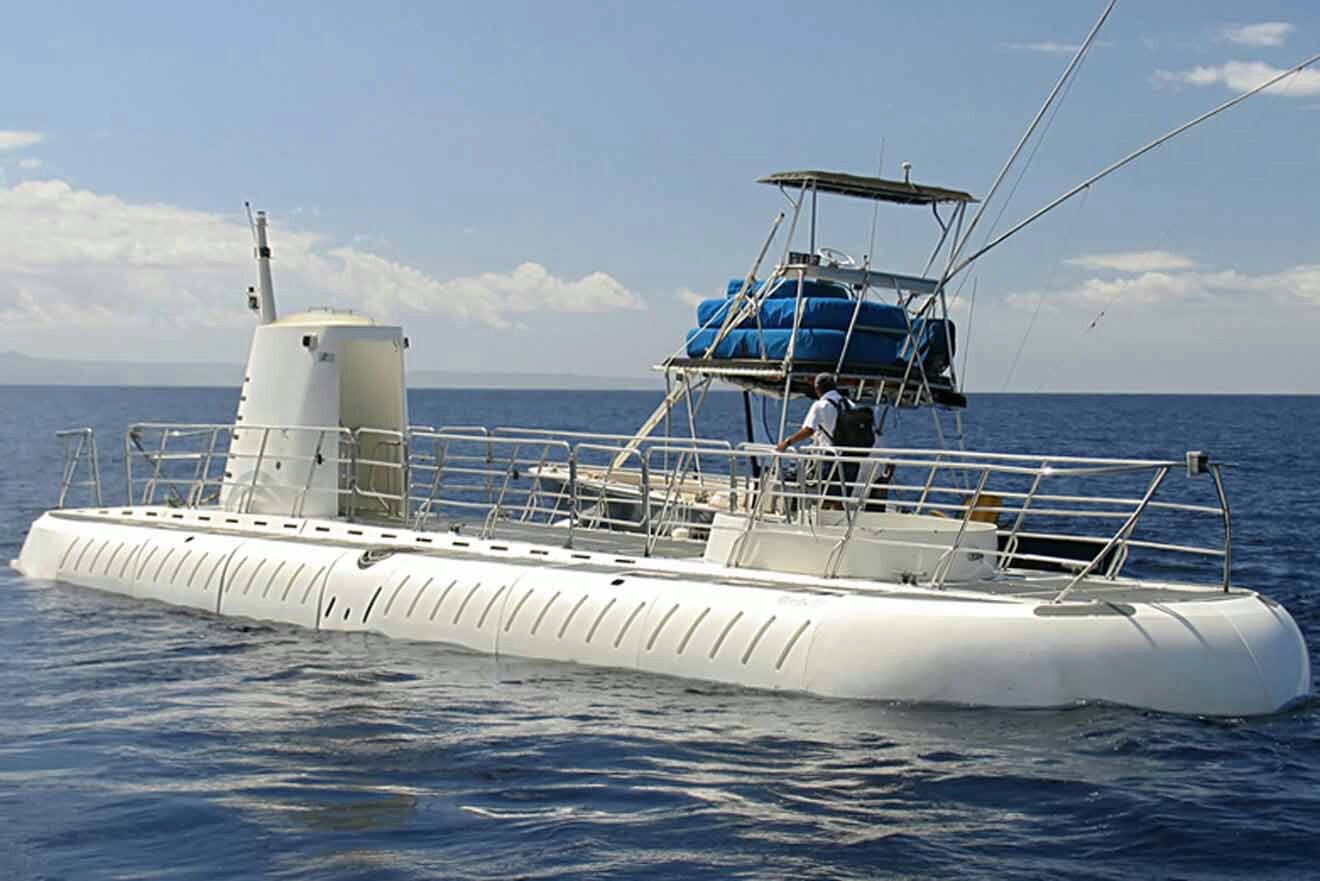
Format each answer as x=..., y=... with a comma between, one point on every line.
x=986, y=507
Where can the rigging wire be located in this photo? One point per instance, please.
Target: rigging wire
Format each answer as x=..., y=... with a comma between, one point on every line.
x=999, y=179
x=1022, y=172
x=875, y=210
x=1049, y=282
x=1119, y=290
x=1131, y=157
x=967, y=334
x=1073, y=350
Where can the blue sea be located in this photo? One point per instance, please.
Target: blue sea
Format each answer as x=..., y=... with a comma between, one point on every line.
x=140, y=741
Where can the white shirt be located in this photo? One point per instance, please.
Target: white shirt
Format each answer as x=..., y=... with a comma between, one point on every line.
x=823, y=416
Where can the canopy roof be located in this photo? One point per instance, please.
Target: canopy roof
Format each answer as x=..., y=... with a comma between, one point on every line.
x=878, y=188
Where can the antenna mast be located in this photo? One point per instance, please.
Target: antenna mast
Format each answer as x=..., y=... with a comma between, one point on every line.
x=266, y=303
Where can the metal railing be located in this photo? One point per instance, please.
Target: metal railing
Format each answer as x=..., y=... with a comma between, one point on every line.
x=79, y=448
x=1079, y=517
x=457, y=475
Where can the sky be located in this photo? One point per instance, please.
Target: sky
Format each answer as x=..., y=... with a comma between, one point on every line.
x=550, y=187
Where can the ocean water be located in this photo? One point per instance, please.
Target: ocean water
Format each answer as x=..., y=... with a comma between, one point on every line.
x=139, y=741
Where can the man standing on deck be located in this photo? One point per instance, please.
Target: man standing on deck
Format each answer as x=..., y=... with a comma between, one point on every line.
x=821, y=423
x=822, y=418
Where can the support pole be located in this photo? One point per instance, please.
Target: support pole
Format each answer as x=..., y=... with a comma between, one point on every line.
x=267, y=302
x=751, y=435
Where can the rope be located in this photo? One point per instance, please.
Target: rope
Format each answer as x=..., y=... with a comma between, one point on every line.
x=1049, y=281
x=1160, y=244
x=1022, y=172
x=967, y=334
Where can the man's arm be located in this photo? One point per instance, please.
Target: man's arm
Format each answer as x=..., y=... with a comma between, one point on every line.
x=796, y=437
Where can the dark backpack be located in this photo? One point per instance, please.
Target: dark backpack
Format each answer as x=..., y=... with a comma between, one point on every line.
x=855, y=425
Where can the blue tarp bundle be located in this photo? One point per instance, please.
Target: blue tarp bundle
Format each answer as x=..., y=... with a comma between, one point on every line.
x=814, y=344
x=879, y=336
x=787, y=287
x=817, y=313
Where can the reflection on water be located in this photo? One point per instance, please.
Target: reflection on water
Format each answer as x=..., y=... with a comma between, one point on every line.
x=142, y=736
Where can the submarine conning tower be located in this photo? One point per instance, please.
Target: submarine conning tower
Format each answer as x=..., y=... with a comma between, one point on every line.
x=322, y=412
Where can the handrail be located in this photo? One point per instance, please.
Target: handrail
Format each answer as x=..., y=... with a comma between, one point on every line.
x=510, y=478
x=76, y=442
x=1119, y=537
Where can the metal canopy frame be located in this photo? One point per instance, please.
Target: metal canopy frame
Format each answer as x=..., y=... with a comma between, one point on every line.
x=902, y=192
x=895, y=385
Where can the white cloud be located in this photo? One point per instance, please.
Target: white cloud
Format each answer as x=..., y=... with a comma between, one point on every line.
x=1051, y=47
x=1243, y=76
x=29, y=162
x=1295, y=286
x=1133, y=261
x=689, y=297
x=75, y=256
x=1265, y=33
x=1047, y=46
x=384, y=286
x=11, y=140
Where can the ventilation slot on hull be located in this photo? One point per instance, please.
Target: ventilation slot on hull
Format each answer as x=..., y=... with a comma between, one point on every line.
x=292, y=579
x=792, y=641
x=618, y=640
x=109, y=564
x=310, y=586
x=655, y=634
x=599, y=618
x=69, y=550
x=161, y=565
x=541, y=617
x=481, y=623
x=724, y=634
x=563, y=628
x=146, y=561
x=421, y=590
x=253, y=577
x=91, y=567
x=687, y=637
x=178, y=567
x=77, y=564
x=389, y=604
x=197, y=568
x=751, y=647
x=513, y=616
x=440, y=602
x=463, y=605
x=371, y=604
x=270, y=582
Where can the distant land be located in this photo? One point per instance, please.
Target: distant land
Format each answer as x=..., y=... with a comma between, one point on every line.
x=19, y=369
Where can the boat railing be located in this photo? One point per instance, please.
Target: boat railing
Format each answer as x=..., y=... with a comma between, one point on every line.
x=1077, y=516
x=79, y=452
x=684, y=449
x=191, y=465
x=461, y=476
x=1011, y=491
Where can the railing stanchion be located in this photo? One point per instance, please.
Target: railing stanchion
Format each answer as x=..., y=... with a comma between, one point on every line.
x=1119, y=537
x=256, y=471
x=1215, y=471
x=572, y=495
x=946, y=559
x=128, y=464
x=646, y=508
